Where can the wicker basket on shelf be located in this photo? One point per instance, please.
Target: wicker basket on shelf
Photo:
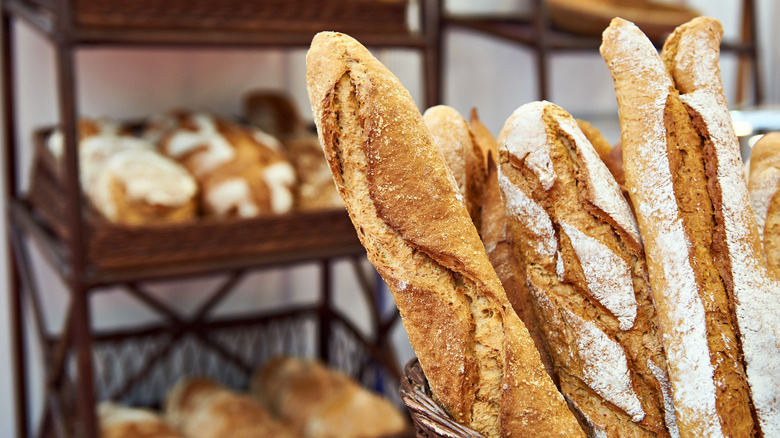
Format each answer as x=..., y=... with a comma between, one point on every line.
x=115, y=246
x=429, y=418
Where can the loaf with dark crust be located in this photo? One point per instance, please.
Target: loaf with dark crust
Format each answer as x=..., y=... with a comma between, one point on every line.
x=578, y=242
x=478, y=357
x=715, y=300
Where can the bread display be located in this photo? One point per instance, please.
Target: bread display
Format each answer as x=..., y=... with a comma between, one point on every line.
x=576, y=239
x=462, y=153
x=118, y=421
x=241, y=172
x=201, y=408
x=717, y=306
x=764, y=186
x=318, y=402
x=126, y=180
x=480, y=362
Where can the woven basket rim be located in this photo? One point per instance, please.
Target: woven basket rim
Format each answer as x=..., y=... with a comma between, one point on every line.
x=430, y=419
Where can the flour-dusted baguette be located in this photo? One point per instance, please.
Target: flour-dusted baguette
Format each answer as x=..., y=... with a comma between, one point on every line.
x=463, y=155
x=577, y=240
x=479, y=360
x=764, y=186
x=685, y=178
x=691, y=55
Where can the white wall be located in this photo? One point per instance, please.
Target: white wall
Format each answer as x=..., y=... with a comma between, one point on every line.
x=128, y=83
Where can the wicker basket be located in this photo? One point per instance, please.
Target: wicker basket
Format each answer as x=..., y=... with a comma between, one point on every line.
x=376, y=16
x=113, y=246
x=428, y=417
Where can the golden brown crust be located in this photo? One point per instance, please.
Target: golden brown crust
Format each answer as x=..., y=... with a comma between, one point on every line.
x=462, y=153
x=478, y=357
x=588, y=279
x=498, y=246
x=485, y=139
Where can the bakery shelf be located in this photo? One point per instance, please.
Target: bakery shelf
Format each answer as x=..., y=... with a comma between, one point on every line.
x=535, y=31
x=70, y=239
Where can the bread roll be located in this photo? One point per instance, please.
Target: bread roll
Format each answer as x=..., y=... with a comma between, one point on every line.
x=763, y=185
x=709, y=281
x=318, y=402
x=241, y=171
x=478, y=357
x=117, y=421
x=463, y=155
x=201, y=408
x=576, y=238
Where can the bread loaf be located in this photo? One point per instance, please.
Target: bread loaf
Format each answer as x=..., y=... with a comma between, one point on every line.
x=315, y=189
x=318, y=402
x=764, y=186
x=463, y=155
x=478, y=357
x=126, y=180
x=118, y=421
x=577, y=240
x=685, y=178
x=201, y=408
x=241, y=171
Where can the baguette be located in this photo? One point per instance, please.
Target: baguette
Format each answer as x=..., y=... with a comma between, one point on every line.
x=462, y=153
x=478, y=357
x=498, y=245
x=764, y=186
x=685, y=178
x=578, y=242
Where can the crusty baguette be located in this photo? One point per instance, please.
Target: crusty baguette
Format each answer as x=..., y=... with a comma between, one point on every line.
x=119, y=421
x=611, y=156
x=578, y=242
x=691, y=55
x=462, y=153
x=764, y=186
x=478, y=357
x=498, y=245
x=685, y=178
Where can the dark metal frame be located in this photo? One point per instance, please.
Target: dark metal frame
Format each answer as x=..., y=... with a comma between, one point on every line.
x=70, y=406
x=536, y=32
